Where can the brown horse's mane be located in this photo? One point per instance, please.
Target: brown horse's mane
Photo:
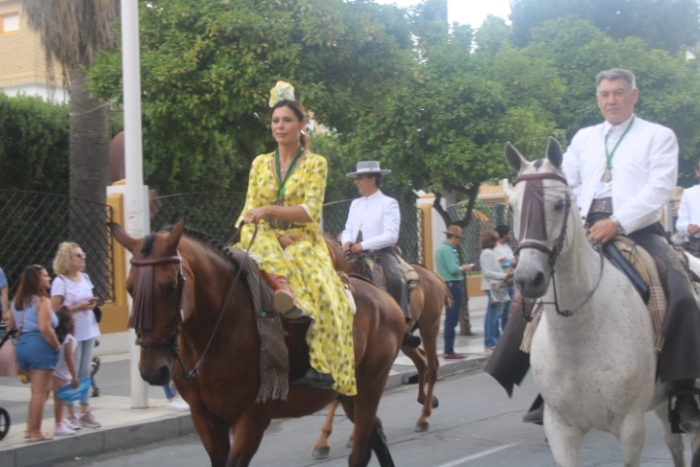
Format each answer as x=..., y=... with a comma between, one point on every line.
x=209, y=241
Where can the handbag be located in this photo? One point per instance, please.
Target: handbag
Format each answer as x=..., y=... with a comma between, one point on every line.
x=499, y=292
x=21, y=374
x=98, y=313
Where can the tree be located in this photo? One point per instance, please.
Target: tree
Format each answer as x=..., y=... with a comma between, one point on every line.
x=33, y=145
x=667, y=24
x=445, y=130
x=208, y=66
x=72, y=33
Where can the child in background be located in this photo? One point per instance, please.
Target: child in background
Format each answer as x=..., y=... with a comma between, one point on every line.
x=65, y=372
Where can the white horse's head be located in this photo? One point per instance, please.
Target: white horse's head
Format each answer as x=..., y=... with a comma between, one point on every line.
x=543, y=215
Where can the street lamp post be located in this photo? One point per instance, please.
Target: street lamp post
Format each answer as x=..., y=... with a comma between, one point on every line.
x=135, y=196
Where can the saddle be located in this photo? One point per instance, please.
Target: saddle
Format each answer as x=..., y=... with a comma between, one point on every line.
x=375, y=272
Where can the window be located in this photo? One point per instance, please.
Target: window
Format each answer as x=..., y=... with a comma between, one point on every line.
x=9, y=22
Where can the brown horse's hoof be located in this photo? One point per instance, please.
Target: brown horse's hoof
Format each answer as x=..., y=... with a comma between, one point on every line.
x=321, y=452
x=436, y=402
x=422, y=426
x=350, y=442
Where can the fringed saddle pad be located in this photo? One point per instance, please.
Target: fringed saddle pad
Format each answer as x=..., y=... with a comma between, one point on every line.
x=645, y=266
x=274, y=356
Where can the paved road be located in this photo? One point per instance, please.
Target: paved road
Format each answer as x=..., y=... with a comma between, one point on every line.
x=475, y=425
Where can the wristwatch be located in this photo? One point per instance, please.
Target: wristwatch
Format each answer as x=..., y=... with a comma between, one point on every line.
x=620, y=229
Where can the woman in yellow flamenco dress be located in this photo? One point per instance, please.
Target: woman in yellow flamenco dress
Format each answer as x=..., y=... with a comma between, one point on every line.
x=285, y=197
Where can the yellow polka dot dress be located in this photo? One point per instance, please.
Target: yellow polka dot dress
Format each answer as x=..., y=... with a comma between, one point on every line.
x=306, y=263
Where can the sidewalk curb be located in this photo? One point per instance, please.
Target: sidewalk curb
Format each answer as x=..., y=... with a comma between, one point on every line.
x=104, y=441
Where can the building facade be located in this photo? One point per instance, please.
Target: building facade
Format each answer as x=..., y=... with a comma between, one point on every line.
x=22, y=58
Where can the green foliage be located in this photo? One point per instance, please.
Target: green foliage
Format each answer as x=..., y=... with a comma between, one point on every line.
x=33, y=145
x=669, y=85
x=667, y=24
x=446, y=128
x=208, y=66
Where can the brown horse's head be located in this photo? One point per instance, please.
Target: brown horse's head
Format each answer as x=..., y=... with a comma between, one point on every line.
x=156, y=284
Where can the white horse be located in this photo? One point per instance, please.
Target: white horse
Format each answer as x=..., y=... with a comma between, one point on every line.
x=592, y=354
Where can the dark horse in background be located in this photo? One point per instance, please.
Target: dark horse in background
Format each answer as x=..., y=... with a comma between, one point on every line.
x=222, y=396
x=426, y=303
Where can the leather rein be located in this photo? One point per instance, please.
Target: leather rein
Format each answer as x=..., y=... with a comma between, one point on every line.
x=142, y=315
x=534, y=185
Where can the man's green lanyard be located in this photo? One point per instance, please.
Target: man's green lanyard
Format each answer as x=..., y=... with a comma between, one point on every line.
x=289, y=170
x=609, y=155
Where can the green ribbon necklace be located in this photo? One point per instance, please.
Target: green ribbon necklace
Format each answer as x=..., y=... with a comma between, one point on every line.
x=299, y=152
x=607, y=175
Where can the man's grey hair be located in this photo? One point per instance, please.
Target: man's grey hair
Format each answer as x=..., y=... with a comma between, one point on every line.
x=615, y=74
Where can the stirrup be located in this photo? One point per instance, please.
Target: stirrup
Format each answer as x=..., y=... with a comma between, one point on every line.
x=674, y=416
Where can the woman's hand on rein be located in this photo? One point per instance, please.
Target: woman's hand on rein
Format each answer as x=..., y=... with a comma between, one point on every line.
x=257, y=214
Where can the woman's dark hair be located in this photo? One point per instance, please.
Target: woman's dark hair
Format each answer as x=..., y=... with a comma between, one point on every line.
x=29, y=286
x=65, y=323
x=299, y=111
x=488, y=239
x=502, y=230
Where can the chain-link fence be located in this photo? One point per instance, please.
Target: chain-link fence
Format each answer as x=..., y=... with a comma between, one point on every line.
x=484, y=217
x=33, y=224
x=410, y=232
x=213, y=212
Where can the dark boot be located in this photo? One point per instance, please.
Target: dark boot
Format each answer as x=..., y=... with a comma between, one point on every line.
x=536, y=413
x=284, y=302
x=686, y=406
x=409, y=340
x=314, y=379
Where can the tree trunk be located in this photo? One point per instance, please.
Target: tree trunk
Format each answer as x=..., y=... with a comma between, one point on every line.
x=465, y=326
x=89, y=177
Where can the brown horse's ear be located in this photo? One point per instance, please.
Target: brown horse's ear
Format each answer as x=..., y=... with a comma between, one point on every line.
x=173, y=239
x=120, y=235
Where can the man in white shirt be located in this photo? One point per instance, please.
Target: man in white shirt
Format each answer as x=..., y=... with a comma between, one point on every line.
x=688, y=223
x=373, y=226
x=624, y=171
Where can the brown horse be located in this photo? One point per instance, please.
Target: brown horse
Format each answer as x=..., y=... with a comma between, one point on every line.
x=427, y=300
x=191, y=278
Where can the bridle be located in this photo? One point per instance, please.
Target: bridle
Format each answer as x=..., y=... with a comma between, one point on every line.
x=142, y=313
x=533, y=231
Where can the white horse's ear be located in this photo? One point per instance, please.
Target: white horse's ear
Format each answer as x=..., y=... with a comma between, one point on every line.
x=515, y=160
x=554, y=153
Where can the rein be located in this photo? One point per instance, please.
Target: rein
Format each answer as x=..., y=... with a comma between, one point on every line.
x=142, y=316
x=534, y=227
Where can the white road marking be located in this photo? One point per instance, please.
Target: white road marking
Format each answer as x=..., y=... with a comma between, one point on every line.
x=478, y=455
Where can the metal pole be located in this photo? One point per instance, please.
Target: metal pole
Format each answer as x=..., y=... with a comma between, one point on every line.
x=136, y=217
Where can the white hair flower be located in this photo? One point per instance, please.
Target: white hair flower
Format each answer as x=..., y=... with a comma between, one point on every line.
x=283, y=91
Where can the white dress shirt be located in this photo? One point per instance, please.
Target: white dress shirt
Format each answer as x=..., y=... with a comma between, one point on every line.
x=378, y=217
x=689, y=211
x=644, y=171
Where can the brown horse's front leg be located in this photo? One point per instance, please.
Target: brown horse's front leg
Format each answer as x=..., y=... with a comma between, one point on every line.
x=214, y=435
x=322, y=449
x=247, y=434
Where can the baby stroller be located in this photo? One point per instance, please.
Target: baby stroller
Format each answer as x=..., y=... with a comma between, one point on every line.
x=5, y=335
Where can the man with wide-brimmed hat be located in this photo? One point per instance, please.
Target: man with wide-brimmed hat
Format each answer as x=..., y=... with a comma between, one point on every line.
x=373, y=226
x=448, y=267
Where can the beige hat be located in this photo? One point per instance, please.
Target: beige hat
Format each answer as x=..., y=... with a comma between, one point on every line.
x=368, y=167
x=455, y=231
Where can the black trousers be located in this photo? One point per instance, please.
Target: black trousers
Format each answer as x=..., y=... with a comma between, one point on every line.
x=395, y=282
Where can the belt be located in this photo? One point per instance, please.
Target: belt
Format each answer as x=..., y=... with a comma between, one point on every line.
x=601, y=206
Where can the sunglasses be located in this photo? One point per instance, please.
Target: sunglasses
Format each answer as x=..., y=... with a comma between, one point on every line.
x=79, y=255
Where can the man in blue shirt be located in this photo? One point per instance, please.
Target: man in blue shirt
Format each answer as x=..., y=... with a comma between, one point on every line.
x=448, y=267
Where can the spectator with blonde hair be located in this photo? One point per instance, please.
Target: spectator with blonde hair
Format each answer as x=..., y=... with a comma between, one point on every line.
x=72, y=288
